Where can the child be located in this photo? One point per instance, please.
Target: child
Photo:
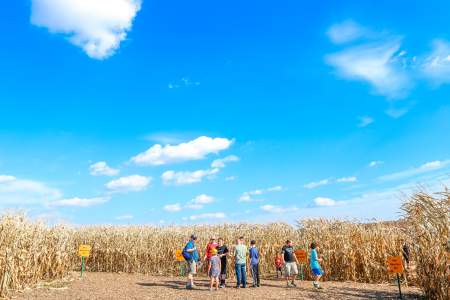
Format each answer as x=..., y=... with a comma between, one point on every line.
x=254, y=263
x=214, y=269
x=315, y=266
x=279, y=265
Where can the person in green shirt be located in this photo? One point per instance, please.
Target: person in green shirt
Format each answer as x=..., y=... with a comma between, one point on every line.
x=240, y=261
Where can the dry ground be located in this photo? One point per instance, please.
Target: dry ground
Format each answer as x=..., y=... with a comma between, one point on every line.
x=138, y=286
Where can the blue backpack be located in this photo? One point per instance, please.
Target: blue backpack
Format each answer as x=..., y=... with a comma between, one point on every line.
x=187, y=255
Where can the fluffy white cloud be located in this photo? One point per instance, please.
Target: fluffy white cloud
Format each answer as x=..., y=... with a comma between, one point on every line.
x=102, y=168
x=314, y=184
x=172, y=207
x=365, y=121
x=192, y=150
x=129, y=183
x=278, y=209
x=186, y=177
x=375, y=163
x=217, y=215
x=16, y=191
x=323, y=201
x=221, y=162
x=124, y=217
x=347, y=179
x=248, y=196
x=79, y=202
x=437, y=63
x=426, y=167
x=346, y=31
x=97, y=26
x=200, y=201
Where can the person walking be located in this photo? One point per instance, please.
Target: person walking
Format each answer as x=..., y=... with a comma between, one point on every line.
x=315, y=261
x=222, y=251
x=190, y=254
x=254, y=263
x=240, y=263
x=290, y=263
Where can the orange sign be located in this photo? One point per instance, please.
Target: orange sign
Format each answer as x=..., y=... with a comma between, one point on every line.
x=179, y=255
x=301, y=255
x=395, y=264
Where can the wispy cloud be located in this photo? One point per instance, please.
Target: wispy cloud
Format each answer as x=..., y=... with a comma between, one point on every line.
x=315, y=184
x=183, y=82
x=230, y=178
x=193, y=150
x=324, y=201
x=216, y=215
x=277, y=209
x=424, y=168
x=97, y=26
x=436, y=66
x=347, y=31
x=79, y=202
x=186, y=177
x=197, y=202
x=347, y=179
x=249, y=196
x=176, y=207
x=364, y=121
x=375, y=163
x=101, y=168
x=133, y=183
x=221, y=162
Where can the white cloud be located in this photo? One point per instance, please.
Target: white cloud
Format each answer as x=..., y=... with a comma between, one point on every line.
x=346, y=31
x=436, y=66
x=16, y=191
x=217, y=215
x=192, y=150
x=96, y=26
x=186, y=177
x=129, y=183
x=314, y=184
x=323, y=201
x=365, y=121
x=375, y=63
x=230, y=178
x=102, y=168
x=426, y=167
x=221, y=162
x=172, y=207
x=375, y=163
x=183, y=82
x=124, y=217
x=247, y=196
x=347, y=179
x=203, y=199
x=79, y=202
x=278, y=209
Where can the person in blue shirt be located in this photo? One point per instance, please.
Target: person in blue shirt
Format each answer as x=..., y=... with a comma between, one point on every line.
x=191, y=256
x=254, y=263
x=315, y=265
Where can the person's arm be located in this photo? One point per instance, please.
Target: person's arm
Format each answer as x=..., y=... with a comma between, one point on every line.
x=282, y=257
x=209, y=267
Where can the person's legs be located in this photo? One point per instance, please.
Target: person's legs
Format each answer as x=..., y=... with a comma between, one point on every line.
x=238, y=275
x=211, y=282
x=257, y=275
x=217, y=282
x=223, y=274
x=287, y=272
x=294, y=273
x=244, y=275
x=318, y=274
x=253, y=273
x=192, y=266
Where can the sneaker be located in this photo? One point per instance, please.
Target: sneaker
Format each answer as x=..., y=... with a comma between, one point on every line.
x=210, y=289
x=319, y=287
x=222, y=286
x=293, y=284
x=238, y=286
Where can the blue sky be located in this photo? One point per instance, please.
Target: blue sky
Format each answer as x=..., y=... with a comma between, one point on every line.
x=161, y=112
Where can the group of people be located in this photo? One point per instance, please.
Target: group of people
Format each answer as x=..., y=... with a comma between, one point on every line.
x=216, y=254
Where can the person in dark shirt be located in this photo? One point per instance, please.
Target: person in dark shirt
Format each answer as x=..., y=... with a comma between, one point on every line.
x=290, y=263
x=254, y=263
x=222, y=251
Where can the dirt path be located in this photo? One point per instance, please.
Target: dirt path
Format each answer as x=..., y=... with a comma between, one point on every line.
x=138, y=286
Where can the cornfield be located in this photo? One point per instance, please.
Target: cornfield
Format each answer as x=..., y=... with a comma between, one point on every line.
x=32, y=252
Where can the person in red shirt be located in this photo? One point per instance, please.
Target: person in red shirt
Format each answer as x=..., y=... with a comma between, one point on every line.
x=279, y=264
x=211, y=245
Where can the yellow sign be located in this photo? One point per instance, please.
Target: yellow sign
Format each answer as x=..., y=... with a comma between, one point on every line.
x=301, y=255
x=179, y=255
x=84, y=250
x=395, y=264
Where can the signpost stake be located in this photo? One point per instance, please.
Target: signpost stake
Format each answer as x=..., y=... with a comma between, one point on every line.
x=399, y=288
x=82, y=265
x=301, y=271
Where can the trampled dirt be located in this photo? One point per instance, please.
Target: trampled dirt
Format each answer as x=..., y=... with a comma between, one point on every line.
x=138, y=286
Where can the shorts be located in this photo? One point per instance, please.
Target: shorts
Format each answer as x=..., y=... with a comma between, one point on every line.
x=214, y=273
x=192, y=267
x=317, y=272
x=290, y=268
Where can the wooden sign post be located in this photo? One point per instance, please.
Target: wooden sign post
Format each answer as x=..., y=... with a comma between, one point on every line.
x=301, y=257
x=83, y=251
x=180, y=259
x=395, y=265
